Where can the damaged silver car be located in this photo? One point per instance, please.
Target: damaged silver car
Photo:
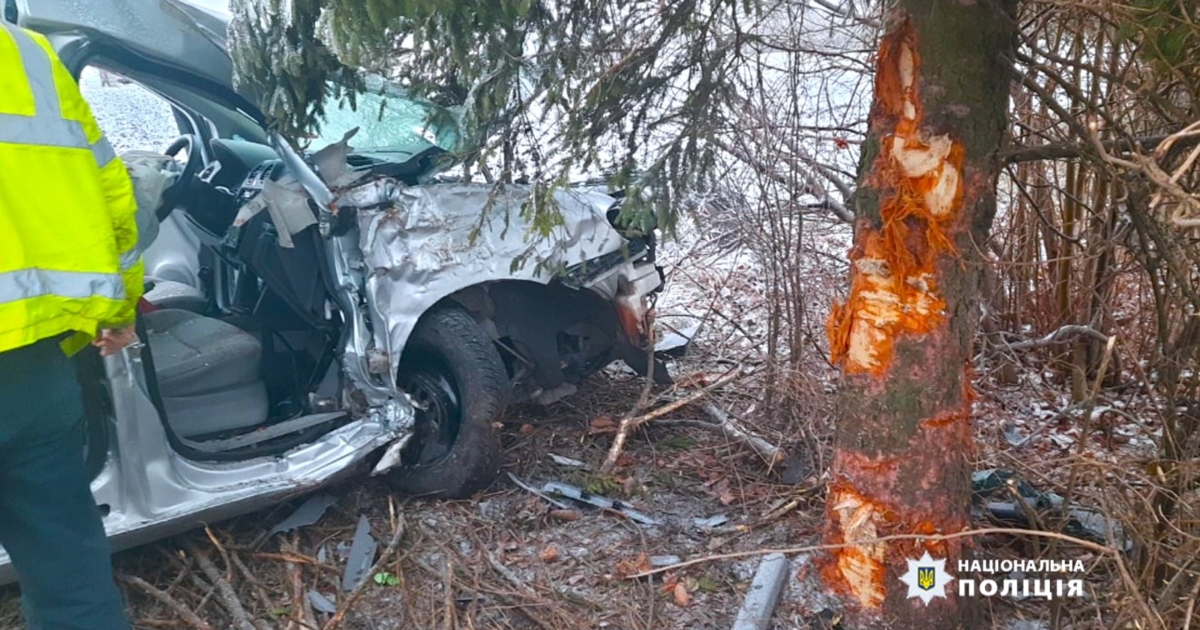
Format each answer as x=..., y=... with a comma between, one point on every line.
x=317, y=314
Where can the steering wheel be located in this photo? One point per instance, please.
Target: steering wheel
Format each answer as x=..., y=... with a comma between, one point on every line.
x=195, y=162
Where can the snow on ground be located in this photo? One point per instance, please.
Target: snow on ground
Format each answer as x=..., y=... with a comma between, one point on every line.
x=132, y=117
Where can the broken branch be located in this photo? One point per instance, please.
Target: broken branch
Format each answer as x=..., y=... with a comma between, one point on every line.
x=727, y=425
x=165, y=598
x=1062, y=335
x=225, y=593
x=631, y=422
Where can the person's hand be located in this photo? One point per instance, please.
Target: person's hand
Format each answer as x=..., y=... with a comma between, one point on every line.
x=112, y=340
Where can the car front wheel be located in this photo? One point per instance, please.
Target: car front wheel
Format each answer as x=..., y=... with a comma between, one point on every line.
x=454, y=374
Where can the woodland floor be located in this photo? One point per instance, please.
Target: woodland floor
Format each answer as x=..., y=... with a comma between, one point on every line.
x=507, y=559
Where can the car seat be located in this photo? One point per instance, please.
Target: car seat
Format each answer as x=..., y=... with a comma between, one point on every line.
x=209, y=373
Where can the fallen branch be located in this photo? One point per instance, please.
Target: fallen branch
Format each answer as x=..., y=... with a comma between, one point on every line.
x=302, y=614
x=165, y=599
x=631, y=422
x=1062, y=335
x=384, y=558
x=771, y=453
x=225, y=593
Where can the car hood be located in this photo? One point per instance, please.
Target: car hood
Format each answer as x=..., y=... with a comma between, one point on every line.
x=187, y=38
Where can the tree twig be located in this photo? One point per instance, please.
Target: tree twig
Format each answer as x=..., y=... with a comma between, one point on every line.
x=630, y=422
x=225, y=593
x=771, y=453
x=384, y=558
x=165, y=598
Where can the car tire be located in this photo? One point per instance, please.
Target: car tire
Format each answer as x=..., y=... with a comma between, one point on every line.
x=452, y=370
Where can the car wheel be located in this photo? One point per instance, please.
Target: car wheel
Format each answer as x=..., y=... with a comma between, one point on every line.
x=456, y=377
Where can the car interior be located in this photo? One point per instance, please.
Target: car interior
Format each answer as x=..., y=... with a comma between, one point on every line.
x=240, y=336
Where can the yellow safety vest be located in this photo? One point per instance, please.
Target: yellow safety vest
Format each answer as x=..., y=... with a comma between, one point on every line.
x=68, y=232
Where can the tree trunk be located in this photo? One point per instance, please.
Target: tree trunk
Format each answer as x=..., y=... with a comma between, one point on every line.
x=925, y=202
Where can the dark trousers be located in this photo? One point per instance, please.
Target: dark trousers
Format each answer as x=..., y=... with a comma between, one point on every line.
x=49, y=523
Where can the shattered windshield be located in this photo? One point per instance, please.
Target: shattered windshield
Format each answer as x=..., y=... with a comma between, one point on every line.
x=389, y=121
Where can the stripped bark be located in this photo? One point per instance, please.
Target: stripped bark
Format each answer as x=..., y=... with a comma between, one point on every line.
x=926, y=198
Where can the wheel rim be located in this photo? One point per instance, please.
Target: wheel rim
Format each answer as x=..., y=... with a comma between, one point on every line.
x=439, y=412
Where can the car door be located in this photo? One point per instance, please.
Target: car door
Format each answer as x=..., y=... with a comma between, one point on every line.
x=169, y=38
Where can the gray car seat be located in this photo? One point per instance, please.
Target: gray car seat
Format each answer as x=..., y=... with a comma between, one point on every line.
x=209, y=373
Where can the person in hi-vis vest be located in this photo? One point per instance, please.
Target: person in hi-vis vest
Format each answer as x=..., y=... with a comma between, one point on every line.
x=69, y=270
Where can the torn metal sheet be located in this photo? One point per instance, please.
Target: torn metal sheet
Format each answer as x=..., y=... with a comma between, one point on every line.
x=362, y=556
x=554, y=488
x=528, y=488
x=676, y=343
x=307, y=514
x=567, y=461
x=711, y=522
x=321, y=603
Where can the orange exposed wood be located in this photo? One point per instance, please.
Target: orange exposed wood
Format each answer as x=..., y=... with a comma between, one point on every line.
x=893, y=290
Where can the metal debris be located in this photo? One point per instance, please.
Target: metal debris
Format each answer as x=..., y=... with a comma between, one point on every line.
x=676, y=343
x=567, y=461
x=711, y=522
x=663, y=561
x=307, y=514
x=530, y=489
x=321, y=603
x=554, y=488
x=1004, y=497
x=764, y=593
x=362, y=556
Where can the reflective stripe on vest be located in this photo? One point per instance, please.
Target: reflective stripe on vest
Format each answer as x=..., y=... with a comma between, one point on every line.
x=46, y=127
x=24, y=284
x=130, y=258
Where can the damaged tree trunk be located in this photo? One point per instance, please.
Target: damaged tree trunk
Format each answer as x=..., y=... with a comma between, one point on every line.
x=925, y=202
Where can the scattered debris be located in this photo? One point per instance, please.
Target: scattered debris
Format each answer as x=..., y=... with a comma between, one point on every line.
x=530, y=489
x=384, y=558
x=362, y=556
x=663, y=561
x=682, y=599
x=307, y=514
x=554, y=488
x=321, y=603
x=763, y=594
x=566, y=515
x=711, y=522
x=676, y=343
x=567, y=461
x=1028, y=505
x=602, y=425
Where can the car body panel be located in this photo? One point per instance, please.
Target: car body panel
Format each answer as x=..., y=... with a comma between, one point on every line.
x=150, y=491
x=388, y=267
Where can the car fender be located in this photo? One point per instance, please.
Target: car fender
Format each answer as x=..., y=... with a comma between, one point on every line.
x=433, y=241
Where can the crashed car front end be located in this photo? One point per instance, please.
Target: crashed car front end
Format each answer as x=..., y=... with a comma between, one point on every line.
x=561, y=303
x=470, y=244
